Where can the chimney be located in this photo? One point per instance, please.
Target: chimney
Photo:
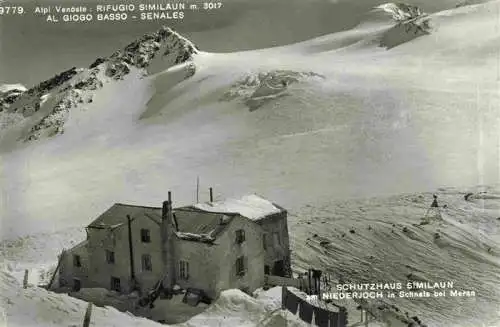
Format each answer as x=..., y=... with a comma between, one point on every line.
x=211, y=195
x=168, y=241
x=164, y=210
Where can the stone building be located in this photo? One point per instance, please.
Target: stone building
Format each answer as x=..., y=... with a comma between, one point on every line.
x=207, y=246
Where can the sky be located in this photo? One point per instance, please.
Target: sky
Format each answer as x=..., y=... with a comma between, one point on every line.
x=32, y=50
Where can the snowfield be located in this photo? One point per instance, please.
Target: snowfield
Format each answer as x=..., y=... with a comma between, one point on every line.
x=366, y=113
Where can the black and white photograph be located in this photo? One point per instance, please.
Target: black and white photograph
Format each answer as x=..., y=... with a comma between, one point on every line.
x=274, y=163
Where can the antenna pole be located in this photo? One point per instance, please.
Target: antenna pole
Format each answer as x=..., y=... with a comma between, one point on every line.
x=197, y=189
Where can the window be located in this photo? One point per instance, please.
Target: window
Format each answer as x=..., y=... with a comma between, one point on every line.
x=267, y=269
x=184, y=270
x=77, y=284
x=115, y=284
x=110, y=256
x=145, y=236
x=264, y=241
x=77, y=261
x=146, y=263
x=240, y=236
x=240, y=266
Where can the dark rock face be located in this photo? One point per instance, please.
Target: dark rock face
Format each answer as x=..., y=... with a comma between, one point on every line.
x=11, y=96
x=97, y=62
x=90, y=83
x=54, y=82
x=117, y=70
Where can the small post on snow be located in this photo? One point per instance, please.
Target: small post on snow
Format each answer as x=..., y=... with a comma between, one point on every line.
x=283, y=297
x=435, y=202
x=88, y=314
x=25, y=279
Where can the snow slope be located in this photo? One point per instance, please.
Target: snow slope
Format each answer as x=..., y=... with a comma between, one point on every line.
x=374, y=120
x=374, y=239
x=37, y=307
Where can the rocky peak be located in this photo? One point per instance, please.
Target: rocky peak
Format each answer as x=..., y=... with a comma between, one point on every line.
x=165, y=42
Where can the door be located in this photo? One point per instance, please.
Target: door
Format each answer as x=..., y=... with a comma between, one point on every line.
x=279, y=268
x=115, y=284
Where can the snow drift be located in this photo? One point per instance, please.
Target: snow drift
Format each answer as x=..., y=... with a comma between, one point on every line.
x=37, y=307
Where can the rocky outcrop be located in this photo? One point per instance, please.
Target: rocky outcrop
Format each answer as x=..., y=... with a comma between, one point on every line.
x=401, y=12
x=9, y=94
x=78, y=91
x=90, y=83
x=258, y=89
x=48, y=85
x=411, y=22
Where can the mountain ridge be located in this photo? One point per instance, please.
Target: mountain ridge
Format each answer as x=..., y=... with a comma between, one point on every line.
x=74, y=86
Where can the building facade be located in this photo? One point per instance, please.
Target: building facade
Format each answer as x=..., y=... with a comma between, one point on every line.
x=211, y=247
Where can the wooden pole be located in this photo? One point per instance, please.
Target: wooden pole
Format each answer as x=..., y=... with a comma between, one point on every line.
x=283, y=297
x=310, y=292
x=131, y=249
x=332, y=319
x=319, y=283
x=197, y=189
x=25, y=279
x=88, y=314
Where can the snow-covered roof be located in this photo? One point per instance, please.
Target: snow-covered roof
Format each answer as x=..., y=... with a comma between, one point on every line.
x=250, y=206
x=116, y=215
